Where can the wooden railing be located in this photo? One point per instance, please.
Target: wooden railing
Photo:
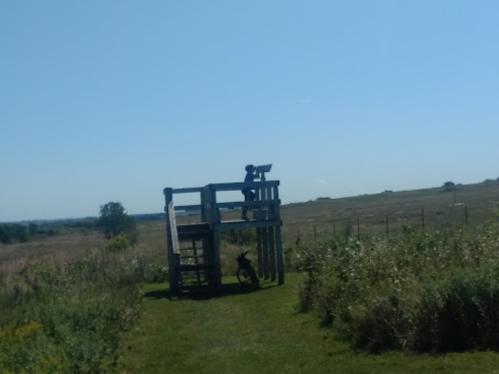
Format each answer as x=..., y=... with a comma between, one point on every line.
x=266, y=199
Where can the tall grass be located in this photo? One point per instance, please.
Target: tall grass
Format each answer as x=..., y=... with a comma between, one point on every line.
x=71, y=317
x=434, y=290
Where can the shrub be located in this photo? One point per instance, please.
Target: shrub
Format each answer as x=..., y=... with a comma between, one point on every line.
x=72, y=318
x=421, y=290
x=118, y=243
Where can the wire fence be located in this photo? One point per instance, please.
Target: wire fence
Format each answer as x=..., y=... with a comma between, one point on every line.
x=355, y=223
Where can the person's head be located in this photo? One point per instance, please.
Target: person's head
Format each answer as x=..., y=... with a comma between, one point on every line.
x=250, y=168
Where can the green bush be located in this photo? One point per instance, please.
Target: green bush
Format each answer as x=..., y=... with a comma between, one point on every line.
x=118, y=243
x=72, y=318
x=421, y=290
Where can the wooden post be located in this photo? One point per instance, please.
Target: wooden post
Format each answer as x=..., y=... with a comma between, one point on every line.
x=215, y=218
x=259, y=252
x=272, y=254
x=278, y=242
x=265, y=240
x=173, y=274
x=280, y=262
x=216, y=247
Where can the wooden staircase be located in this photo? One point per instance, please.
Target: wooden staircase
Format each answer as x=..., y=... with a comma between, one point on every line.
x=195, y=260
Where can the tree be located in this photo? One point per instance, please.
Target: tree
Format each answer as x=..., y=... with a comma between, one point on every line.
x=449, y=186
x=5, y=235
x=114, y=221
x=33, y=229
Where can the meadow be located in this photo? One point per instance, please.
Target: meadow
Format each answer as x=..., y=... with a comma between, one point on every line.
x=356, y=299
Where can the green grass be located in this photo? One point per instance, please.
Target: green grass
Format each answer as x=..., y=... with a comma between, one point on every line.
x=261, y=332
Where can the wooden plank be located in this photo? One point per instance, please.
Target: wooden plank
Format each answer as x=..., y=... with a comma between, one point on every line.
x=230, y=225
x=240, y=204
x=173, y=229
x=240, y=185
x=188, y=207
x=196, y=267
x=205, y=205
x=195, y=226
x=186, y=190
x=216, y=254
x=208, y=257
x=259, y=251
x=215, y=213
x=272, y=254
x=265, y=242
x=280, y=262
x=173, y=272
x=278, y=240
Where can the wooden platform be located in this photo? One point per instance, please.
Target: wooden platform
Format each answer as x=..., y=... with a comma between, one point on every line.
x=203, y=237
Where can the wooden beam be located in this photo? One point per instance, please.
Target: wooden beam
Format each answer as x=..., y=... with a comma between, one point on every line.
x=240, y=185
x=230, y=225
x=173, y=273
x=173, y=229
x=216, y=254
x=280, y=262
x=265, y=242
x=188, y=207
x=240, y=204
x=259, y=251
x=278, y=241
x=186, y=190
x=272, y=254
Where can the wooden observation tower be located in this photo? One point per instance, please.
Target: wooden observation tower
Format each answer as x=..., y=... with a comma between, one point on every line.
x=194, y=249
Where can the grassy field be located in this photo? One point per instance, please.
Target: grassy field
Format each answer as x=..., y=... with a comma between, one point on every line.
x=261, y=332
x=316, y=219
x=321, y=218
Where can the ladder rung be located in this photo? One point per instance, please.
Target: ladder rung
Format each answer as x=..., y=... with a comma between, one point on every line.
x=196, y=267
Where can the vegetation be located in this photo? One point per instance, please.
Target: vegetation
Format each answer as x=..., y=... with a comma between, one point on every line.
x=115, y=221
x=71, y=318
x=414, y=291
x=421, y=291
x=13, y=233
x=261, y=332
x=239, y=237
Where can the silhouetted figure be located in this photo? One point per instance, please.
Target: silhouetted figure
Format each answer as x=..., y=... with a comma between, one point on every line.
x=249, y=195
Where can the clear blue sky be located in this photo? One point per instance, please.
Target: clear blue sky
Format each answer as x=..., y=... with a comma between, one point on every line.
x=114, y=100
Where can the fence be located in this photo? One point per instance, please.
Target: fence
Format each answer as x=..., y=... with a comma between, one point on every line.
x=354, y=223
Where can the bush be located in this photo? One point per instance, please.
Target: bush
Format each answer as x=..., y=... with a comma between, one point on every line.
x=118, y=243
x=432, y=291
x=73, y=318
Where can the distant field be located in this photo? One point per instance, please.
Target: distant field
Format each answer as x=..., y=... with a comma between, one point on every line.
x=318, y=219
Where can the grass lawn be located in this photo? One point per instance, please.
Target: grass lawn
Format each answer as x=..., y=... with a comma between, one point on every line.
x=261, y=332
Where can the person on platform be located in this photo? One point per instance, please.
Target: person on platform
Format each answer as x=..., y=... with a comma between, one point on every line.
x=249, y=195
